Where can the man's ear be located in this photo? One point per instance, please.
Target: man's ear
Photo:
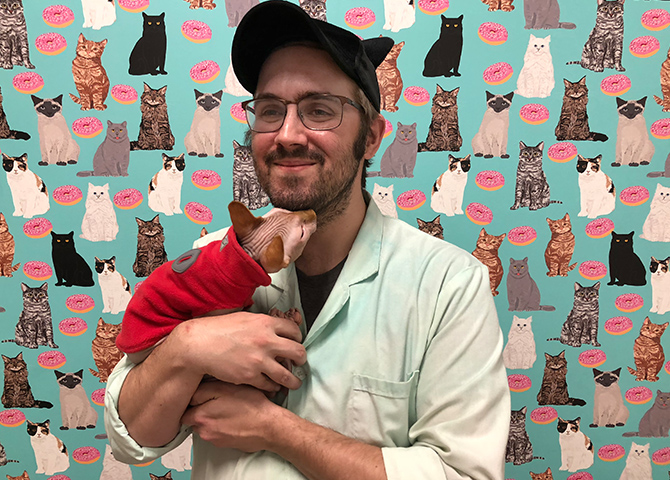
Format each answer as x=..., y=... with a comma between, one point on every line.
x=375, y=137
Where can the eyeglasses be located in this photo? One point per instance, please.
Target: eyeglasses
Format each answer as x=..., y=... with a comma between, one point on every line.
x=317, y=112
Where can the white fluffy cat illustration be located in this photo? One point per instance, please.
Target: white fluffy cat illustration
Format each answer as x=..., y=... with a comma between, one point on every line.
x=99, y=223
x=180, y=458
x=576, y=447
x=383, y=197
x=233, y=85
x=536, y=78
x=29, y=192
x=112, y=469
x=519, y=353
x=598, y=195
x=656, y=227
x=165, y=186
x=98, y=13
x=660, y=285
x=448, y=189
x=399, y=14
x=638, y=465
x=115, y=288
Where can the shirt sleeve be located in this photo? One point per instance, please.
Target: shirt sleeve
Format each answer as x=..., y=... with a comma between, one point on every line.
x=463, y=400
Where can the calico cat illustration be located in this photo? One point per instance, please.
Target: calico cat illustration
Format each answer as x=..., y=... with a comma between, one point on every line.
x=56, y=143
x=486, y=252
x=536, y=78
x=576, y=447
x=116, y=291
x=604, y=47
x=148, y=54
x=633, y=146
x=444, y=57
x=648, y=352
x=432, y=227
x=315, y=8
x=150, y=247
x=665, y=84
x=447, y=193
x=390, y=81
x=112, y=469
x=554, y=389
x=29, y=192
x=179, y=459
x=105, y=353
x=99, y=223
x=246, y=188
x=660, y=285
x=626, y=268
x=608, y=406
x=76, y=409
x=491, y=138
x=236, y=9
x=112, y=157
x=546, y=475
x=532, y=188
x=206, y=4
x=543, y=15
x=573, y=123
x=14, y=44
x=519, y=353
x=51, y=454
x=17, y=392
x=656, y=421
x=581, y=326
x=598, y=195
x=522, y=291
x=383, y=197
x=519, y=450
x=3, y=458
x=204, y=137
x=399, y=14
x=5, y=131
x=503, y=5
x=656, y=227
x=638, y=463
x=443, y=133
x=165, y=187
x=90, y=77
x=98, y=13
x=70, y=268
x=35, y=326
x=560, y=248
x=399, y=158
x=155, y=132
x=7, y=248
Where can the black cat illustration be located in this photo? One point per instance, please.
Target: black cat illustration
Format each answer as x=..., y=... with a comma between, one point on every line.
x=71, y=269
x=444, y=57
x=626, y=268
x=148, y=54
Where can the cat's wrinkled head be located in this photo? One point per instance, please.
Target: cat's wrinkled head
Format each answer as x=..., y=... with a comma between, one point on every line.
x=11, y=10
x=561, y=225
x=630, y=109
x=518, y=418
x=432, y=227
x=88, y=48
x=48, y=106
x=149, y=228
x=498, y=103
x=314, y=8
x=489, y=242
x=652, y=330
x=518, y=268
x=530, y=157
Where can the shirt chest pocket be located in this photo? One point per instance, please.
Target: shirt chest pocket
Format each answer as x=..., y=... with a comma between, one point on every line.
x=380, y=412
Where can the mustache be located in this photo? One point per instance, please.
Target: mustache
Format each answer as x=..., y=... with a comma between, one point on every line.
x=281, y=153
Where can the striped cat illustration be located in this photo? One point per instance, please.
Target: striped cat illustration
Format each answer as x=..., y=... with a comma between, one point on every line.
x=665, y=85
x=314, y=8
x=503, y=5
x=35, y=326
x=573, y=123
x=390, y=81
x=17, y=392
x=554, y=389
x=532, y=188
x=105, y=353
x=519, y=449
x=151, y=252
x=581, y=326
x=5, y=131
x=560, y=248
x=648, y=352
x=7, y=247
x=90, y=77
x=155, y=132
x=443, y=133
x=432, y=227
x=14, y=44
x=246, y=188
x=486, y=251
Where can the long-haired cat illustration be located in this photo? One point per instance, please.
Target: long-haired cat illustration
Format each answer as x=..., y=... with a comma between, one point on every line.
x=315, y=9
x=608, y=405
x=56, y=143
x=543, y=15
x=665, y=84
x=447, y=193
x=554, y=389
x=17, y=392
x=399, y=14
x=112, y=157
x=90, y=77
x=246, y=188
x=390, y=81
x=148, y=54
x=3, y=458
x=383, y=197
x=150, y=247
x=14, y=44
x=35, y=326
x=105, y=352
x=522, y=291
x=236, y=9
x=112, y=469
x=604, y=47
x=7, y=248
x=536, y=78
x=70, y=267
x=486, y=251
x=576, y=447
x=519, y=353
x=206, y=4
x=491, y=138
x=155, y=132
x=519, y=450
x=597, y=192
x=560, y=248
x=532, y=188
x=660, y=285
x=179, y=459
x=573, y=123
x=5, y=131
x=656, y=227
x=432, y=227
x=116, y=291
x=165, y=187
x=502, y=5
x=444, y=57
x=204, y=137
x=51, y=454
x=626, y=268
x=233, y=85
x=546, y=475
x=581, y=326
x=633, y=146
x=443, y=133
x=98, y=13
x=29, y=192
x=648, y=352
x=638, y=463
x=75, y=407
x=656, y=421
x=399, y=158
x=99, y=223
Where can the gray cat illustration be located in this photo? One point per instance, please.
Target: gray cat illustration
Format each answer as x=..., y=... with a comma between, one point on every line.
x=656, y=421
x=491, y=139
x=522, y=291
x=608, y=406
x=665, y=172
x=399, y=158
x=544, y=14
x=112, y=157
x=76, y=409
x=236, y=9
x=532, y=188
x=3, y=457
x=35, y=325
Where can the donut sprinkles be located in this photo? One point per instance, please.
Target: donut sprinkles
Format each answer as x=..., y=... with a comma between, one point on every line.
x=72, y=327
x=615, y=85
x=359, y=18
x=50, y=43
x=498, y=73
x=518, y=382
x=655, y=19
x=492, y=33
x=661, y=129
x=28, y=82
x=666, y=367
x=51, y=360
x=629, y=302
x=58, y=16
x=37, y=227
x=522, y=236
x=98, y=397
x=238, y=114
x=580, y=476
x=490, y=180
x=67, y=195
x=611, y=453
x=388, y=129
x=87, y=127
x=79, y=303
x=562, y=152
x=618, y=325
x=124, y=94
x=479, y=214
x=12, y=418
x=592, y=358
x=411, y=200
x=661, y=456
x=634, y=196
x=196, y=31
x=599, y=228
x=38, y=271
x=134, y=6
x=543, y=415
x=534, y=113
x=416, y=96
x=638, y=395
x=645, y=46
x=592, y=270
x=206, y=179
x=128, y=198
x=433, y=7
x=198, y=213
x=205, y=71
x=86, y=455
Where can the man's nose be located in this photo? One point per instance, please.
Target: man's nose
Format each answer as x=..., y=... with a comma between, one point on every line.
x=292, y=131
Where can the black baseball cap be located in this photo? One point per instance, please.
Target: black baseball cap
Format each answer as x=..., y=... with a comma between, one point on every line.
x=275, y=23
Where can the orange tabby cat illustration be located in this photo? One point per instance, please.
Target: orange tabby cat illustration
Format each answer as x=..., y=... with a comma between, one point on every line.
x=648, y=352
x=560, y=247
x=89, y=75
x=105, y=352
x=504, y=5
x=665, y=85
x=390, y=82
x=487, y=253
x=6, y=250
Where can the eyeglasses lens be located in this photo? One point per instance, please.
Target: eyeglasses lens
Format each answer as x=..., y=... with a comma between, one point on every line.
x=317, y=112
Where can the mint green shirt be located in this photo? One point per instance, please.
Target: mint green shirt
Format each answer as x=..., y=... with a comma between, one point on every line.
x=405, y=355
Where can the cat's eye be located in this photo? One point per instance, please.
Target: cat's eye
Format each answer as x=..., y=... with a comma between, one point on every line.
x=158, y=23
x=148, y=23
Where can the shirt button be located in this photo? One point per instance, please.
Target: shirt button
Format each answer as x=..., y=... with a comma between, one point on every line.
x=300, y=373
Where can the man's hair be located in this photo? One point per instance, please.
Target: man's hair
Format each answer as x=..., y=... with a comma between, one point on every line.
x=368, y=116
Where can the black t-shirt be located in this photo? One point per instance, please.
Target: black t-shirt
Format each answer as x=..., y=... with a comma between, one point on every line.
x=314, y=291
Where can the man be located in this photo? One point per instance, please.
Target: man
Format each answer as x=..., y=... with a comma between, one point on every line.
x=398, y=371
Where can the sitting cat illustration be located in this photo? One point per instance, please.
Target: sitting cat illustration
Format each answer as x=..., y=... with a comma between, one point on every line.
x=519, y=353
x=76, y=409
x=443, y=132
x=648, y=352
x=389, y=79
x=554, y=389
x=536, y=78
x=491, y=138
x=656, y=227
x=70, y=268
x=660, y=285
x=522, y=291
x=112, y=157
x=29, y=192
x=608, y=405
x=581, y=326
x=383, y=197
x=444, y=56
x=99, y=223
x=447, y=194
x=576, y=448
x=544, y=14
x=51, y=454
x=35, y=325
x=165, y=186
x=399, y=14
x=656, y=421
x=399, y=158
x=625, y=268
x=148, y=54
x=638, y=463
x=633, y=146
x=204, y=137
x=486, y=251
x=56, y=143
x=519, y=450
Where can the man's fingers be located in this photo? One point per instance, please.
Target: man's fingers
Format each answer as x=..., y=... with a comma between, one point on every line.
x=287, y=328
x=281, y=376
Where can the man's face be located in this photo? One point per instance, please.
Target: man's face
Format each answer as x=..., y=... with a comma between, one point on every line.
x=300, y=168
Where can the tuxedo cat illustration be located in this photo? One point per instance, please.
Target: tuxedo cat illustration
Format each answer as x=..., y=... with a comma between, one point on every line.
x=626, y=268
x=56, y=143
x=444, y=57
x=76, y=409
x=204, y=137
x=536, y=78
x=447, y=193
x=399, y=158
x=656, y=227
x=112, y=157
x=522, y=291
x=543, y=15
x=656, y=421
x=70, y=268
x=491, y=138
x=660, y=285
x=609, y=409
x=597, y=192
x=29, y=192
x=148, y=54
x=633, y=146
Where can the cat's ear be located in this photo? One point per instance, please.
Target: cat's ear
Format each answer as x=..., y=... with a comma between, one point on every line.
x=460, y=19
x=179, y=157
x=596, y=286
x=617, y=372
x=101, y=322
x=242, y=219
x=509, y=96
x=646, y=321
x=44, y=286
x=81, y=38
x=522, y=145
x=197, y=93
x=525, y=260
x=98, y=260
x=466, y=159
x=439, y=89
x=155, y=219
x=620, y=102
x=24, y=157
x=562, y=354
x=59, y=375
x=566, y=216
x=36, y=99
x=147, y=88
x=124, y=123
x=642, y=101
x=162, y=90
x=414, y=126
x=653, y=259
x=578, y=287
x=79, y=374
x=24, y=287
x=218, y=94
x=482, y=233
x=566, y=83
x=109, y=123
x=144, y=15
x=524, y=410
x=489, y=95
x=511, y=260
x=596, y=372
x=598, y=159
x=582, y=81
x=161, y=16
x=540, y=146
x=272, y=258
x=236, y=144
x=399, y=125
x=102, y=43
x=455, y=91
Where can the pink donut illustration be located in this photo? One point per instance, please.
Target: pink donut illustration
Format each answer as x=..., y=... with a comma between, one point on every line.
x=534, y=113
x=580, y=476
x=79, y=303
x=128, y=198
x=87, y=127
x=205, y=71
x=67, y=195
x=599, y=228
x=98, y=397
x=562, y=152
x=592, y=358
x=86, y=455
x=667, y=367
x=359, y=18
x=615, y=85
x=655, y=19
x=634, y=196
x=58, y=16
x=489, y=180
x=12, y=418
x=618, y=325
x=492, y=33
x=543, y=415
x=479, y=213
x=238, y=114
x=206, y=179
x=28, y=82
x=644, y=46
x=498, y=73
x=37, y=227
x=411, y=200
x=592, y=270
x=629, y=302
x=134, y=6
x=433, y=7
x=388, y=129
x=196, y=31
x=518, y=382
x=36, y=270
x=124, y=94
x=661, y=456
x=661, y=128
x=638, y=395
x=51, y=360
x=611, y=453
x=416, y=96
x=72, y=327
x=50, y=43
x=198, y=213
x=59, y=477
x=522, y=236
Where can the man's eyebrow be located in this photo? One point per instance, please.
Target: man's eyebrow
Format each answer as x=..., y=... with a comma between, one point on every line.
x=299, y=97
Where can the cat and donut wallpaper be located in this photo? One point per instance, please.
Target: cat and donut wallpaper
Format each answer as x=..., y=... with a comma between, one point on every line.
x=533, y=133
